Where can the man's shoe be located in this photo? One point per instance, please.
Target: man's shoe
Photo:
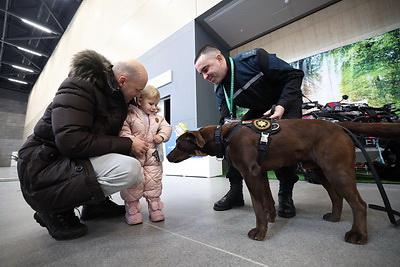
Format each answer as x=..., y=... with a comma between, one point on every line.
x=286, y=206
x=234, y=198
x=105, y=209
x=62, y=226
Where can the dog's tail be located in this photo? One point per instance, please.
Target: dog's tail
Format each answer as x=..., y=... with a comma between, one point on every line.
x=376, y=129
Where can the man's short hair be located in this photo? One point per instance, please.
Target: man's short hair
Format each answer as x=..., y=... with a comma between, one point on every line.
x=206, y=50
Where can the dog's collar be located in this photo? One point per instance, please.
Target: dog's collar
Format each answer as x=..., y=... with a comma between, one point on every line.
x=221, y=143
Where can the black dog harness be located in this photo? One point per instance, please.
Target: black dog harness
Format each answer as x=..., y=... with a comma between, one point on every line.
x=265, y=127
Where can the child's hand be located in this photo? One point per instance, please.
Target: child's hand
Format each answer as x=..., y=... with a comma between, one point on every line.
x=158, y=139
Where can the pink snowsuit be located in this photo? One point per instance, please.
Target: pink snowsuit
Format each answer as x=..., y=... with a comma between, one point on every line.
x=139, y=124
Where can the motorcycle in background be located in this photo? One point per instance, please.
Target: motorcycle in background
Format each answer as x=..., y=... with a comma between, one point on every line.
x=384, y=153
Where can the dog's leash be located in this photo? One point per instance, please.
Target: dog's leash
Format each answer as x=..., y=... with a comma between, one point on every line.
x=388, y=208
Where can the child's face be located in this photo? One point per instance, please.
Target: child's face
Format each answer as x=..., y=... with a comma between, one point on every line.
x=148, y=105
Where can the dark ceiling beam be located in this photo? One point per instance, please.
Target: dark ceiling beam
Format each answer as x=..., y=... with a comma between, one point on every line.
x=4, y=31
x=14, y=88
x=16, y=74
x=20, y=17
x=26, y=58
x=52, y=15
x=39, y=17
x=8, y=75
x=20, y=65
x=32, y=38
x=16, y=46
x=13, y=77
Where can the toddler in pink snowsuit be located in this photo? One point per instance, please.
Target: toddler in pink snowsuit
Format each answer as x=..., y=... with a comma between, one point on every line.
x=143, y=122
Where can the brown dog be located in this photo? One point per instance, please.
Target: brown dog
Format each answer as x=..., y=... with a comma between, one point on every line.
x=316, y=143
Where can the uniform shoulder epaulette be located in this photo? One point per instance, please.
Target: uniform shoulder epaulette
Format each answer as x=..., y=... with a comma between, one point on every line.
x=249, y=53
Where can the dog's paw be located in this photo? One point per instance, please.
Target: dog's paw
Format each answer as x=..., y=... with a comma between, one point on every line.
x=256, y=234
x=356, y=238
x=330, y=217
x=272, y=216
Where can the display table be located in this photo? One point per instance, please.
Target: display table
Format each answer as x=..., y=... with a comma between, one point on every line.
x=195, y=166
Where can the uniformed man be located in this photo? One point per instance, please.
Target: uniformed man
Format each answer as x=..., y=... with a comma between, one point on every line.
x=255, y=80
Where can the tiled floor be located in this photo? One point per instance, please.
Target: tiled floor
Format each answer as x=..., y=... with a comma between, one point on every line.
x=193, y=234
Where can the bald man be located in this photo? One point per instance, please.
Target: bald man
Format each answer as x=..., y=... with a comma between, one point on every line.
x=75, y=156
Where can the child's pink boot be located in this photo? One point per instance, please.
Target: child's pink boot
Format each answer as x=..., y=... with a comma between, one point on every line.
x=155, y=209
x=133, y=215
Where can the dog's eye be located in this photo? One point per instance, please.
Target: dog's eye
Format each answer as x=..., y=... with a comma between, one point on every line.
x=192, y=141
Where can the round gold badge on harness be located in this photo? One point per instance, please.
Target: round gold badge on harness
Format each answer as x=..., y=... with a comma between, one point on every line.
x=262, y=124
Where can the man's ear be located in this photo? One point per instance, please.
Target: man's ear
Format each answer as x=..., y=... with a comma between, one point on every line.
x=220, y=58
x=195, y=137
x=121, y=80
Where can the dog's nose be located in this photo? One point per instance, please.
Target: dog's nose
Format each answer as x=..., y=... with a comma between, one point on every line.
x=175, y=157
x=170, y=158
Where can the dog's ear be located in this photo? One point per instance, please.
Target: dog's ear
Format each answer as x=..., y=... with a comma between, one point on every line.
x=196, y=138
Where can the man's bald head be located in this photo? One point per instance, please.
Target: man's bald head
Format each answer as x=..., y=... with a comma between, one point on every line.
x=131, y=68
x=131, y=76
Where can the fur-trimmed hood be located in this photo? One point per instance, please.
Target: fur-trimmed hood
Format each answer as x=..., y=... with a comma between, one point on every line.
x=90, y=66
x=83, y=121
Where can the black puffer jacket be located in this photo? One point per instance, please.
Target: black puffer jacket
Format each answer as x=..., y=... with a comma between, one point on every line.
x=83, y=121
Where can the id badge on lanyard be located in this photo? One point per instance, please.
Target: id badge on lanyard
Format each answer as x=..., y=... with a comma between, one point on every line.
x=229, y=100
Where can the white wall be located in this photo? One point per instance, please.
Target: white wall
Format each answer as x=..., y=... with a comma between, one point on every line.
x=342, y=23
x=118, y=29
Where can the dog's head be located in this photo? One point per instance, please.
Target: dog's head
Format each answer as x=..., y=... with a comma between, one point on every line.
x=188, y=145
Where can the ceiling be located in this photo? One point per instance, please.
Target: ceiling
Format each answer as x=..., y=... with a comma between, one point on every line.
x=16, y=34
x=232, y=22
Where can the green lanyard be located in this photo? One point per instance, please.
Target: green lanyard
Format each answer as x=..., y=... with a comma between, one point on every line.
x=229, y=100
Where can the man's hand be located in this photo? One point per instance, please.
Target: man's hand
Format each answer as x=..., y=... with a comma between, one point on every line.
x=139, y=146
x=278, y=112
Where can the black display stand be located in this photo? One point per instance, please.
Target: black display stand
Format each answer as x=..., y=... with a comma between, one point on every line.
x=387, y=208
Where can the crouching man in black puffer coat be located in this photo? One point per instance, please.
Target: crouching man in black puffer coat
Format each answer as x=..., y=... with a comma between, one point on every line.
x=74, y=156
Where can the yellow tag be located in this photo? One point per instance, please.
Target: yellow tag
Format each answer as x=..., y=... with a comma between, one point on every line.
x=262, y=124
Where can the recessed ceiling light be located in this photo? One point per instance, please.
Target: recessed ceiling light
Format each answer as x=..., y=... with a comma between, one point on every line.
x=37, y=26
x=17, y=81
x=29, y=51
x=22, y=68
